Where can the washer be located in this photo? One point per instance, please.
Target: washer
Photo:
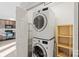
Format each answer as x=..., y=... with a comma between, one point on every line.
x=44, y=23
x=42, y=48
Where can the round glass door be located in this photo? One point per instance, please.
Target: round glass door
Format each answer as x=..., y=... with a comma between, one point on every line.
x=39, y=51
x=40, y=22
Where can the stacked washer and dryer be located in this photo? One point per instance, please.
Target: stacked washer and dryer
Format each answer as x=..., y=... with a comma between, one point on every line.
x=43, y=33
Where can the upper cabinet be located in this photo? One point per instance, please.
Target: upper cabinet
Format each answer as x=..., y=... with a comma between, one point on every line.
x=7, y=23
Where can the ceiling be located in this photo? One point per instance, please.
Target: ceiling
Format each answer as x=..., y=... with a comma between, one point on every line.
x=29, y=5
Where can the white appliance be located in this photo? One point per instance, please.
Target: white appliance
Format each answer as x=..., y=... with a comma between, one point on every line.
x=44, y=23
x=42, y=48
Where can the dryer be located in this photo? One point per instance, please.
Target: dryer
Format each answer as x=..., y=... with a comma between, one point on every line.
x=42, y=48
x=44, y=23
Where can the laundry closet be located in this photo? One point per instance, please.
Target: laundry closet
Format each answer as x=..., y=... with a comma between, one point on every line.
x=51, y=30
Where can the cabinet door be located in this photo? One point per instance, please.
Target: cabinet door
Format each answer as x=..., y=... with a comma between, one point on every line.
x=14, y=22
x=11, y=22
x=2, y=23
x=7, y=22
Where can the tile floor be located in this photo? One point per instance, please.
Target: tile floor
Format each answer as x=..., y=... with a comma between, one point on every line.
x=8, y=48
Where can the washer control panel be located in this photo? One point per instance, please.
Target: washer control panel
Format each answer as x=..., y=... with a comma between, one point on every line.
x=44, y=42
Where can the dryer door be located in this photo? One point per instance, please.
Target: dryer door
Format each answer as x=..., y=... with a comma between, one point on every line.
x=40, y=22
x=39, y=51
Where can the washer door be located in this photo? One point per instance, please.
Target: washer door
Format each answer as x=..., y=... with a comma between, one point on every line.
x=40, y=22
x=39, y=51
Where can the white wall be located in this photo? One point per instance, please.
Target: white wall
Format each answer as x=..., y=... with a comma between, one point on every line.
x=75, y=41
x=64, y=13
x=21, y=32
x=8, y=10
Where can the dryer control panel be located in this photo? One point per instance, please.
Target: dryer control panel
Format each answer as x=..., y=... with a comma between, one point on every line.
x=44, y=42
x=45, y=9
